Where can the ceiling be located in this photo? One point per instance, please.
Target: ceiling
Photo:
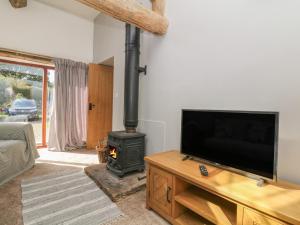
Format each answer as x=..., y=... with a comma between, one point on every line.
x=73, y=7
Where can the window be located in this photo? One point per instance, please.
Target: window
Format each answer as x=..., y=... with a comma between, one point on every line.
x=26, y=94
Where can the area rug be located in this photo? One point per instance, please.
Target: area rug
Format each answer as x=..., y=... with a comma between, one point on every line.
x=67, y=198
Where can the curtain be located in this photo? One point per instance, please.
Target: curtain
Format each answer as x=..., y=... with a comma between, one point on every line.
x=69, y=113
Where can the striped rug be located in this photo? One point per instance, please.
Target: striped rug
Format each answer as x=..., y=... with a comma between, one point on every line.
x=69, y=198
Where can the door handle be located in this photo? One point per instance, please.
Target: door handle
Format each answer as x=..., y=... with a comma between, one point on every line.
x=168, y=195
x=91, y=106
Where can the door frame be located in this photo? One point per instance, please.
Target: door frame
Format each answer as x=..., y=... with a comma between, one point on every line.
x=44, y=94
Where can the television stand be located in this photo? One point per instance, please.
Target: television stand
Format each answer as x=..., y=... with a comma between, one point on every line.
x=178, y=192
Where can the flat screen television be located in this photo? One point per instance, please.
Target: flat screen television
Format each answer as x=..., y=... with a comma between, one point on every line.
x=245, y=142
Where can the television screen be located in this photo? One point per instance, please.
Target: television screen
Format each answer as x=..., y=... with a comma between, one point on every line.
x=245, y=141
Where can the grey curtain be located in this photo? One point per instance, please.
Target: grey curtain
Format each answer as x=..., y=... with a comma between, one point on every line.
x=69, y=114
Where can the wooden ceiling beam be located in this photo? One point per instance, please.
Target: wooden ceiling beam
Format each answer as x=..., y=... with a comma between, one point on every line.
x=18, y=3
x=130, y=11
x=158, y=6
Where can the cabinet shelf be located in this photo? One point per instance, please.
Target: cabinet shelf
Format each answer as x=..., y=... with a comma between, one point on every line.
x=190, y=218
x=213, y=208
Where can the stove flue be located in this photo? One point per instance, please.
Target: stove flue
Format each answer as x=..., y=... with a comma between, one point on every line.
x=127, y=148
x=132, y=70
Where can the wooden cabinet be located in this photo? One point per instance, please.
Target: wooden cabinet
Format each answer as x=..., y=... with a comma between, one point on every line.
x=177, y=191
x=254, y=218
x=160, y=193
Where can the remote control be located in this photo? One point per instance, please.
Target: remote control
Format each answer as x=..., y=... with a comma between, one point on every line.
x=203, y=170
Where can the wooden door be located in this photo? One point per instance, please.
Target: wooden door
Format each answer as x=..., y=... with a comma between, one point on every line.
x=160, y=190
x=100, y=97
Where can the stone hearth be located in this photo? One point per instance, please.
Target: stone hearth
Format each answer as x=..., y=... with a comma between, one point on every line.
x=115, y=187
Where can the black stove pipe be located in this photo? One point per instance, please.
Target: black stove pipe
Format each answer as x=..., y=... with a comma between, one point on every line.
x=132, y=70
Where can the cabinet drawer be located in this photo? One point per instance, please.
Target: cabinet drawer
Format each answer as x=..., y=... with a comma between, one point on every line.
x=254, y=218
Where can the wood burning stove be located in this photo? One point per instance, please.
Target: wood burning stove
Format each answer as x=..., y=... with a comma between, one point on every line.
x=126, y=152
x=126, y=149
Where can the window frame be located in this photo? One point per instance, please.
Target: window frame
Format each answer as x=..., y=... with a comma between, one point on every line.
x=44, y=94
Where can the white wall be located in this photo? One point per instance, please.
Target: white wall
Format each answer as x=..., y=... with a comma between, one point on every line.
x=109, y=40
x=233, y=54
x=41, y=29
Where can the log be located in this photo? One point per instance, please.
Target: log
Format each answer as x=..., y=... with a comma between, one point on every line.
x=18, y=3
x=132, y=12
